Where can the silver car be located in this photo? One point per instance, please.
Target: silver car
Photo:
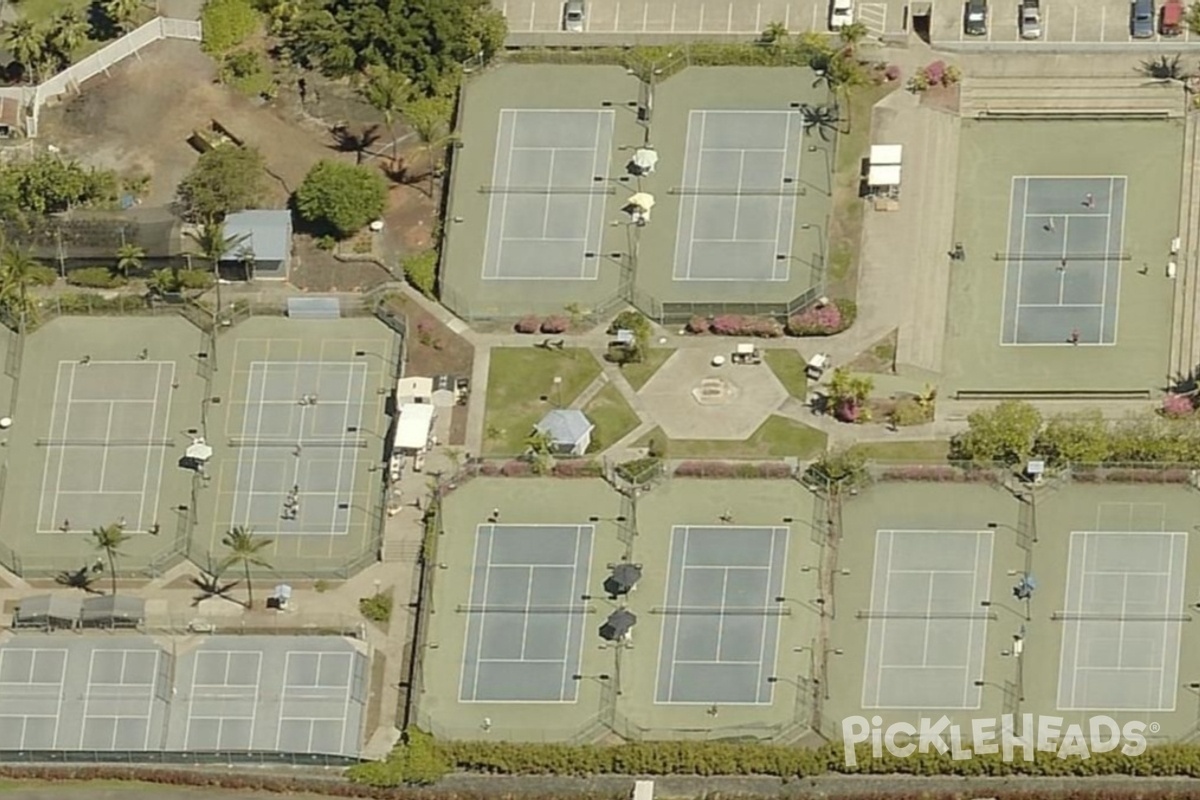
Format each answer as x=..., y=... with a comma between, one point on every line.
x=1031, y=19
x=573, y=16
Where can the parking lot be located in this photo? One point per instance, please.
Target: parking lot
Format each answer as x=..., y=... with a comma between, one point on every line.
x=1064, y=22
x=737, y=17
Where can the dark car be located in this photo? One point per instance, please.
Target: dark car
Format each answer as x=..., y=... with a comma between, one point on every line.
x=1141, y=19
x=975, y=18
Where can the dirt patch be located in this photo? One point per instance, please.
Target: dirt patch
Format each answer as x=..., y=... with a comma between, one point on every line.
x=879, y=357
x=434, y=349
x=316, y=270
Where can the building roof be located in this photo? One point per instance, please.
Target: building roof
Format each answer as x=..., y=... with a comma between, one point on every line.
x=96, y=234
x=413, y=426
x=268, y=234
x=418, y=388
x=565, y=426
x=113, y=607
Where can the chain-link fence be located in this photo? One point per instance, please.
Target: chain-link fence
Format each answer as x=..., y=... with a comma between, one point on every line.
x=181, y=757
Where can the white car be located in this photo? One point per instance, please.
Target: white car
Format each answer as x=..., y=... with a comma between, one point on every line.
x=573, y=16
x=841, y=14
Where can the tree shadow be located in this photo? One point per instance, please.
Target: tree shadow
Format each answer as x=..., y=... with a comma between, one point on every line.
x=358, y=142
x=81, y=578
x=210, y=585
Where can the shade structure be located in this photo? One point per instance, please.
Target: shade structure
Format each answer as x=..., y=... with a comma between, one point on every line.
x=883, y=154
x=624, y=577
x=199, y=450
x=884, y=175
x=113, y=610
x=642, y=200
x=618, y=625
x=49, y=611
x=645, y=159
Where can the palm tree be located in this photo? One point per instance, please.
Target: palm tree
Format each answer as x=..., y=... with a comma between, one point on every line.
x=129, y=256
x=27, y=41
x=244, y=548
x=109, y=539
x=122, y=13
x=214, y=245
x=68, y=31
x=853, y=33
x=17, y=268
x=775, y=34
x=430, y=120
x=388, y=92
x=821, y=118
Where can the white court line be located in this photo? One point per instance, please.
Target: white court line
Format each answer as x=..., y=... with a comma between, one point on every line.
x=1078, y=629
x=487, y=574
x=587, y=230
x=556, y=239
x=549, y=188
x=522, y=660
x=510, y=114
x=779, y=209
x=687, y=533
x=744, y=150
x=551, y=149
x=695, y=202
x=735, y=238
x=1012, y=192
x=968, y=680
x=1020, y=267
x=141, y=517
x=718, y=567
x=1120, y=244
x=1061, y=305
x=1062, y=273
x=721, y=615
x=746, y=663
x=342, y=456
x=934, y=572
x=765, y=623
x=62, y=456
x=571, y=633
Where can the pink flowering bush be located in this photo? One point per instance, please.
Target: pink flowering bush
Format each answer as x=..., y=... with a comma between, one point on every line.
x=698, y=324
x=1177, y=406
x=516, y=469
x=891, y=73
x=727, y=325
x=528, y=324
x=555, y=324
x=816, y=321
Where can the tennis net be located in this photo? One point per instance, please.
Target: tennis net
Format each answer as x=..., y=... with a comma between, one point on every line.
x=585, y=190
x=724, y=611
x=104, y=443
x=1076, y=616
x=501, y=609
x=293, y=444
x=870, y=614
x=1060, y=257
x=742, y=192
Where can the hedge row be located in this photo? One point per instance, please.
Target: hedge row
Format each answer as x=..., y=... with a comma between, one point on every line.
x=733, y=469
x=563, y=468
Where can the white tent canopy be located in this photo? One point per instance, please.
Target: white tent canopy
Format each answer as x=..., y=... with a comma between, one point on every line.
x=642, y=200
x=414, y=389
x=886, y=154
x=884, y=175
x=413, y=427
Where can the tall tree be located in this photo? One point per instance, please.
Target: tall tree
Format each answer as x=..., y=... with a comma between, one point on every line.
x=224, y=180
x=122, y=14
x=388, y=93
x=340, y=198
x=245, y=548
x=27, y=41
x=17, y=274
x=68, y=32
x=129, y=257
x=853, y=33
x=109, y=539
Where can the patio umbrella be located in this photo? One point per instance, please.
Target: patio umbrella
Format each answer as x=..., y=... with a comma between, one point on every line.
x=624, y=577
x=618, y=625
x=645, y=159
x=199, y=450
x=642, y=200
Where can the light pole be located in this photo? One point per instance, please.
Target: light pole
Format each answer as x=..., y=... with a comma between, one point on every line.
x=1010, y=692
x=992, y=604
x=1017, y=531
x=824, y=151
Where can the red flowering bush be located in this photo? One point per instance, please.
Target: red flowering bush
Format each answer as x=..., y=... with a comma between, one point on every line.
x=698, y=324
x=1177, y=406
x=528, y=324
x=516, y=469
x=727, y=325
x=815, y=321
x=578, y=468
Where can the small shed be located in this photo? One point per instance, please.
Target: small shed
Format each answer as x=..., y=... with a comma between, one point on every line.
x=263, y=243
x=414, y=390
x=113, y=611
x=570, y=431
x=414, y=425
x=48, y=611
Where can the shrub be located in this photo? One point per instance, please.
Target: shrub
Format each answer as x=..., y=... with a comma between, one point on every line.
x=95, y=278
x=732, y=469
x=41, y=275
x=195, y=279
x=416, y=761
x=891, y=72
x=816, y=321
x=339, y=198
x=516, y=469
x=578, y=468
x=420, y=270
x=528, y=324
x=555, y=324
x=226, y=24
x=630, y=321
x=727, y=325
x=1177, y=406
x=489, y=469
x=763, y=328
x=639, y=469
x=377, y=607
x=698, y=324
x=909, y=412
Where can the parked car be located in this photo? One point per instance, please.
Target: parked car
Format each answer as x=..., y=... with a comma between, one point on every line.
x=1170, y=21
x=1031, y=19
x=573, y=16
x=975, y=18
x=1141, y=19
x=841, y=14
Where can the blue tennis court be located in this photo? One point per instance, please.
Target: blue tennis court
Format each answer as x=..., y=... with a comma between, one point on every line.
x=721, y=617
x=1063, y=262
x=526, y=613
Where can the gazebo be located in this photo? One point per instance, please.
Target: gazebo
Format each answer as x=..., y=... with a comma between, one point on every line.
x=569, y=430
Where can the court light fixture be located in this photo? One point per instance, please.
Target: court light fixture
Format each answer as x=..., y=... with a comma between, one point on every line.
x=981, y=683
x=1193, y=685
x=789, y=519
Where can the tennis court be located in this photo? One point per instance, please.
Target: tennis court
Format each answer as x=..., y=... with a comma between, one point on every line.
x=550, y=184
x=927, y=632
x=109, y=436
x=1122, y=617
x=298, y=446
x=526, y=613
x=1063, y=266
x=737, y=210
x=721, y=615
x=83, y=694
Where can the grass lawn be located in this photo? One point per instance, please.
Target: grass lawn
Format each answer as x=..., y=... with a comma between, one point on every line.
x=612, y=417
x=845, y=233
x=638, y=374
x=788, y=366
x=778, y=437
x=518, y=380
x=46, y=10
x=926, y=450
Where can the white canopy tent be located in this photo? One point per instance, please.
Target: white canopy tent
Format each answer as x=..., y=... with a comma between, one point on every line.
x=414, y=390
x=886, y=154
x=884, y=175
x=413, y=427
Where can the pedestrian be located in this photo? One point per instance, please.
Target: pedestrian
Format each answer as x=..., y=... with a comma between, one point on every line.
x=85, y=360
x=1049, y=224
x=121, y=523
x=1074, y=336
x=66, y=526
x=1062, y=265
x=142, y=356
x=1089, y=201
x=495, y=515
